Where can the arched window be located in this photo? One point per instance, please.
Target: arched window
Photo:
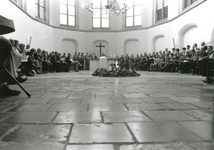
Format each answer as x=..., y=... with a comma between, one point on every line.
x=100, y=14
x=161, y=10
x=134, y=14
x=68, y=12
x=40, y=9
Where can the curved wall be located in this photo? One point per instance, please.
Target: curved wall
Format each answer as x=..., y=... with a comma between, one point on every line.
x=50, y=37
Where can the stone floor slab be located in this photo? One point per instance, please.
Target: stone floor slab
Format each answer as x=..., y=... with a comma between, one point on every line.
x=31, y=146
x=130, y=116
x=178, y=106
x=143, y=106
x=100, y=133
x=158, y=100
x=204, y=105
x=107, y=107
x=98, y=100
x=65, y=101
x=185, y=99
x=200, y=128
x=38, y=133
x=167, y=146
x=169, y=116
x=68, y=107
x=160, y=95
x=4, y=128
x=31, y=117
x=32, y=107
x=91, y=147
x=78, y=117
x=35, y=101
x=128, y=100
x=4, y=115
x=54, y=96
x=161, y=132
x=201, y=114
x=202, y=145
x=134, y=95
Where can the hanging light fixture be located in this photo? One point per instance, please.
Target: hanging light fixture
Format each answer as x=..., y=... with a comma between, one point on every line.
x=116, y=6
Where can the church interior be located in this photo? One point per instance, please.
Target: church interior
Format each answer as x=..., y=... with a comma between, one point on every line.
x=154, y=93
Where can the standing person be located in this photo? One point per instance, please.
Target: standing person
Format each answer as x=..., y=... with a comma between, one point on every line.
x=38, y=56
x=81, y=60
x=87, y=61
x=209, y=55
x=127, y=62
x=55, y=60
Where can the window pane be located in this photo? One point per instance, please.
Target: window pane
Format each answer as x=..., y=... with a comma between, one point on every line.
x=96, y=4
x=165, y=14
x=71, y=10
x=137, y=20
x=71, y=20
x=159, y=14
x=42, y=15
x=42, y=3
x=165, y=3
x=63, y=19
x=105, y=23
x=104, y=3
x=129, y=3
x=37, y=1
x=138, y=2
x=105, y=14
x=71, y=2
x=130, y=12
x=129, y=21
x=96, y=13
x=63, y=9
x=63, y=1
x=96, y=23
x=137, y=10
x=159, y=4
x=19, y=2
x=37, y=10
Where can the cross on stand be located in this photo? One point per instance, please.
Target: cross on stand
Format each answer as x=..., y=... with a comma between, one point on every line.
x=100, y=46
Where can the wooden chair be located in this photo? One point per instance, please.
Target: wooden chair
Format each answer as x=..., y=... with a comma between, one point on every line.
x=210, y=70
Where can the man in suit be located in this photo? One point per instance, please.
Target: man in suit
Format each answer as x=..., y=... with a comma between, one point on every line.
x=204, y=59
x=71, y=62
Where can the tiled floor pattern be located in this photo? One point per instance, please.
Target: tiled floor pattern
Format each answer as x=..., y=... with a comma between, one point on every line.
x=76, y=111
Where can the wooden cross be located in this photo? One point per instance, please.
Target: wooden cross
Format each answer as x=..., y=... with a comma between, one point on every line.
x=100, y=46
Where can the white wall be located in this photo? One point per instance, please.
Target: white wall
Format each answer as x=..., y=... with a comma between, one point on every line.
x=69, y=46
x=50, y=37
x=42, y=35
x=132, y=47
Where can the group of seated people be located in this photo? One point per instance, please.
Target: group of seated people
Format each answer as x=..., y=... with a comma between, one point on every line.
x=188, y=60
x=25, y=61
x=37, y=61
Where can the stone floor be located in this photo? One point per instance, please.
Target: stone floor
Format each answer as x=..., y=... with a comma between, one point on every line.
x=76, y=111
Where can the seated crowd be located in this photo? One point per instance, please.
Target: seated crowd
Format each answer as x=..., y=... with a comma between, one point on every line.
x=189, y=60
x=37, y=61
x=23, y=61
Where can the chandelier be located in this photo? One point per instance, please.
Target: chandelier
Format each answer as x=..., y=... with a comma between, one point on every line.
x=116, y=6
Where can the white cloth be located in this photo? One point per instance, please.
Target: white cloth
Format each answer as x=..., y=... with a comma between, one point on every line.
x=103, y=62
